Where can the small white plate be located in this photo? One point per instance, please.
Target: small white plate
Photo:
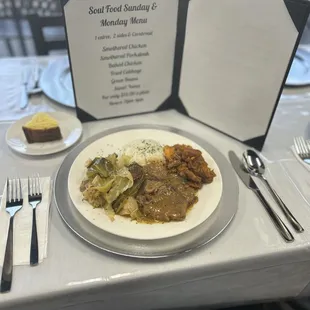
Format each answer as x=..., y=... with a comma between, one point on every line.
x=56, y=82
x=70, y=127
x=208, y=197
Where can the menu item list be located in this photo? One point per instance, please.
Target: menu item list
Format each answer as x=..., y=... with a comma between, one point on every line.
x=122, y=54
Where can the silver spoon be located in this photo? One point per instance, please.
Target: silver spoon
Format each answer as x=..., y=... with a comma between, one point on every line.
x=256, y=167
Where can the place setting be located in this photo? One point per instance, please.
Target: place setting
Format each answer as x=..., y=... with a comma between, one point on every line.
x=21, y=94
x=53, y=80
x=177, y=186
x=143, y=216
x=26, y=85
x=142, y=190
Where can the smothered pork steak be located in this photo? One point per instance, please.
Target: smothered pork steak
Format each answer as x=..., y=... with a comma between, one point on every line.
x=164, y=196
x=147, y=182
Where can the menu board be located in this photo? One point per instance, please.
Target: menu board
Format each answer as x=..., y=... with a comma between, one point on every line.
x=223, y=63
x=122, y=54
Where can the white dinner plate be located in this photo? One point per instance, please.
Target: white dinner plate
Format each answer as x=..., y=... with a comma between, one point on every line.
x=56, y=82
x=70, y=127
x=209, y=196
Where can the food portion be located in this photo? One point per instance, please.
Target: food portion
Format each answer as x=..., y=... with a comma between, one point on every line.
x=142, y=152
x=189, y=164
x=42, y=128
x=164, y=196
x=147, y=182
x=105, y=181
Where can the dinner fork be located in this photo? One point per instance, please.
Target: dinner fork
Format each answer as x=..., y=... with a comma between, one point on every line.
x=14, y=202
x=302, y=149
x=34, y=198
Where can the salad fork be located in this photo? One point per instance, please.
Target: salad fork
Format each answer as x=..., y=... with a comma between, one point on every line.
x=302, y=148
x=14, y=202
x=34, y=198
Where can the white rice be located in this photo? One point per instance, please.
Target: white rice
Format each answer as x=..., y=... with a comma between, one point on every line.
x=143, y=151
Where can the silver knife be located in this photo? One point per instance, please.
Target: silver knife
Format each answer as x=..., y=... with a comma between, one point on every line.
x=36, y=78
x=24, y=94
x=250, y=183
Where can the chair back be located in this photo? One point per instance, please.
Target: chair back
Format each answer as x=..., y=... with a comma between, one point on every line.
x=42, y=44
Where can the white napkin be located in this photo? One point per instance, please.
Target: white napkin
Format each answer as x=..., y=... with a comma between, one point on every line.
x=299, y=159
x=23, y=225
x=11, y=91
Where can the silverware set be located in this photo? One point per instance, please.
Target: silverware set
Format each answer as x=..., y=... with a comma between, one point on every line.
x=302, y=148
x=28, y=91
x=14, y=203
x=252, y=165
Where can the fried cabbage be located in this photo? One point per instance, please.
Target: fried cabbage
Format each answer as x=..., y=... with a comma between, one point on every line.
x=105, y=182
x=129, y=207
x=139, y=177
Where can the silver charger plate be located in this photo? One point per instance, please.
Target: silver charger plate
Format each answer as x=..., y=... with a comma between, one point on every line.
x=185, y=242
x=56, y=82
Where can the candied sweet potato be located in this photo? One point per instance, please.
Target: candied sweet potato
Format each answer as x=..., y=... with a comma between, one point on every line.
x=189, y=164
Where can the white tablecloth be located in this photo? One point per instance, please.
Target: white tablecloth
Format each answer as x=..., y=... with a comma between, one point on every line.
x=248, y=262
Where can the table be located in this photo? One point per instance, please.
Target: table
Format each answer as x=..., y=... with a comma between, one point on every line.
x=249, y=262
